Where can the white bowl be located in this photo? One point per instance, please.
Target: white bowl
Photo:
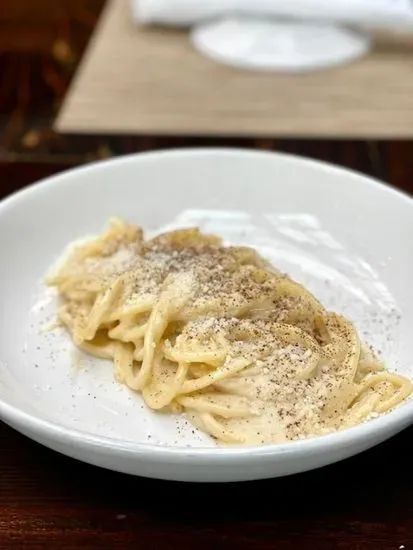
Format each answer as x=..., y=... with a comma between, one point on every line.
x=346, y=237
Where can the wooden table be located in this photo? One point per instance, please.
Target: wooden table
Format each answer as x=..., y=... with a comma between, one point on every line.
x=49, y=501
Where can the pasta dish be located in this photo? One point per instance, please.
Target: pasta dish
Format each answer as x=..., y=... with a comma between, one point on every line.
x=216, y=332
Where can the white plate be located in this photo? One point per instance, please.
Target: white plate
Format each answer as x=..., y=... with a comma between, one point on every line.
x=280, y=46
x=345, y=236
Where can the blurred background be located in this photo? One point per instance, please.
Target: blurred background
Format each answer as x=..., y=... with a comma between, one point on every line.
x=42, y=43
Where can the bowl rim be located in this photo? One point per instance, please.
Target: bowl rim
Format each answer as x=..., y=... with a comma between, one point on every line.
x=49, y=429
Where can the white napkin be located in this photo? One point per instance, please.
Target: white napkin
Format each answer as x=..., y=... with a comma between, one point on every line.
x=184, y=13
x=179, y=13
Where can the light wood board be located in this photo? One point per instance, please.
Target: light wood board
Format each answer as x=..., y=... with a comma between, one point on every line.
x=145, y=81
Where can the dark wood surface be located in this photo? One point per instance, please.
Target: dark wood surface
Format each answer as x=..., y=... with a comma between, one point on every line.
x=48, y=501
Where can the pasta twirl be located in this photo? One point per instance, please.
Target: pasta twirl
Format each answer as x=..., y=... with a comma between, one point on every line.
x=219, y=334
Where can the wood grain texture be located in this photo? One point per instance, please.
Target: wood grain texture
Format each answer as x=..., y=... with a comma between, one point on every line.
x=135, y=80
x=50, y=501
